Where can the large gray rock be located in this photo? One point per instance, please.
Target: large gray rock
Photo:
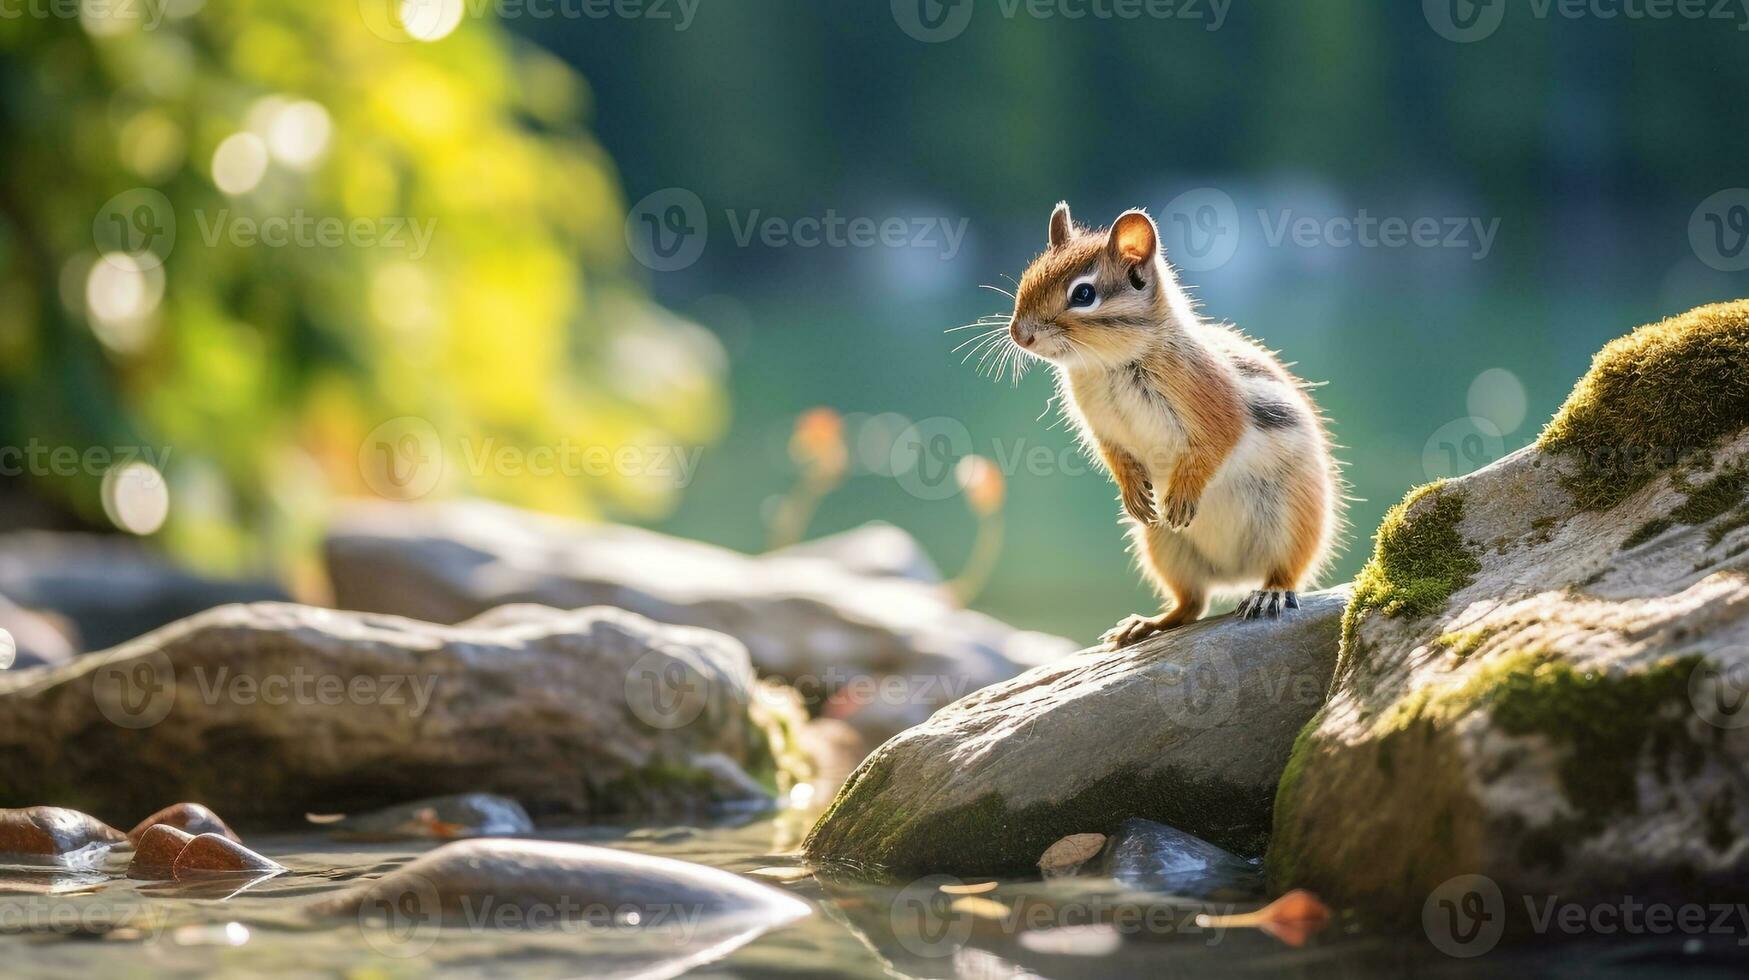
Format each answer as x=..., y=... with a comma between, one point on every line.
x=855, y=615
x=1190, y=729
x=269, y=711
x=1544, y=674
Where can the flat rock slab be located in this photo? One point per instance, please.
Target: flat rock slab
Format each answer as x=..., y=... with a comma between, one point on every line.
x=1190, y=729
x=271, y=711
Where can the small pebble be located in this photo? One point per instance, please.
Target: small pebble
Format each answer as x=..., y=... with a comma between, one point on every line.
x=52, y=831
x=156, y=852
x=210, y=854
x=191, y=817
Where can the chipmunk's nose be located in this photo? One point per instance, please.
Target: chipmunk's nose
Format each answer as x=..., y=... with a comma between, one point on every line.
x=1021, y=331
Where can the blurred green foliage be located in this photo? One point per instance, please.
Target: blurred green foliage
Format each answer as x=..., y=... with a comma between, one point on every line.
x=255, y=371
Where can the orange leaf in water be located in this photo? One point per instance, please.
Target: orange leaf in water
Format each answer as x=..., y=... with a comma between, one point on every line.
x=1292, y=918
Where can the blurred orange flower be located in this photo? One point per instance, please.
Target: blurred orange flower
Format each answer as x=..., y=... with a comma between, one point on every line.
x=817, y=445
x=982, y=483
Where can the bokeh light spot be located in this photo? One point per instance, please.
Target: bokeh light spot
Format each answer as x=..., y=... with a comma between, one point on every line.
x=135, y=497
x=1498, y=396
x=431, y=20
x=239, y=163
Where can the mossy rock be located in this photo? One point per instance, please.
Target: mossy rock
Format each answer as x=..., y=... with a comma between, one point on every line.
x=1191, y=729
x=1559, y=711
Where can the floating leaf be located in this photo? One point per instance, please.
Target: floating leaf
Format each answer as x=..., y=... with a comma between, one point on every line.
x=982, y=908
x=1292, y=918
x=782, y=874
x=1068, y=854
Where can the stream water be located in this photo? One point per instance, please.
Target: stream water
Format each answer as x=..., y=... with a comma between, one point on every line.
x=98, y=923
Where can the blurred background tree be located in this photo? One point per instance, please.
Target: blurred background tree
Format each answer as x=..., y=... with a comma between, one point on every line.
x=138, y=142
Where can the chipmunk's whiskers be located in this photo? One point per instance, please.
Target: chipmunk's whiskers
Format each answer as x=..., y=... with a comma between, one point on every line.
x=989, y=320
x=980, y=339
x=997, y=289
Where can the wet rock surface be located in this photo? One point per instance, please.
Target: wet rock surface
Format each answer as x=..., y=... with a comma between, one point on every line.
x=441, y=818
x=156, y=850
x=1144, y=854
x=829, y=616
x=192, y=818
x=1191, y=729
x=52, y=832
x=1543, y=680
x=211, y=854
x=271, y=711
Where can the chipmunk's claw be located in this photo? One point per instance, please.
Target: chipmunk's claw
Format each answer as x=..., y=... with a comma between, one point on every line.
x=1267, y=602
x=1135, y=629
x=1178, y=512
x=1140, y=506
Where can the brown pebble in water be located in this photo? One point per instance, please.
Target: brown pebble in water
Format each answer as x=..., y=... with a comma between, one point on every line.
x=156, y=851
x=1066, y=856
x=52, y=831
x=192, y=818
x=211, y=854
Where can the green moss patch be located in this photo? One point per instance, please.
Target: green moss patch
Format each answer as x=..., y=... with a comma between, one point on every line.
x=1653, y=399
x=1706, y=502
x=1419, y=560
x=861, y=835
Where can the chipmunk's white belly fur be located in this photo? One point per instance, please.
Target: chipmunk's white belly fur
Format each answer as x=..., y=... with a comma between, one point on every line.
x=1240, y=533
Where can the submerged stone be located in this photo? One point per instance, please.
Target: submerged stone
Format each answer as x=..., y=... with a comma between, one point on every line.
x=440, y=818
x=156, y=851
x=212, y=854
x=1151, y=856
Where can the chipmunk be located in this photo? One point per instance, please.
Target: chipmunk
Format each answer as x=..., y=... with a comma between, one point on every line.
x=1221, y=459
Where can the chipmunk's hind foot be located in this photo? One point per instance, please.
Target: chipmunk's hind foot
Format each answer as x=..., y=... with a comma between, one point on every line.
x=1137, y=628
x=1267, y=602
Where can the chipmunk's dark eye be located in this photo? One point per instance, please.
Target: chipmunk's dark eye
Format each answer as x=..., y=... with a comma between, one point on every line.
x=1082, y=295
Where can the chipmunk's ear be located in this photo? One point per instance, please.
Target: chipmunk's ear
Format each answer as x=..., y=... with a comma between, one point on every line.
x=1134, y=239
x=1062, y=225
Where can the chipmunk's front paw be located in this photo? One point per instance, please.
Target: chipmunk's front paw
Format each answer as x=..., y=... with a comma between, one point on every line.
x=1267, y=602
x=1139, y=504
x=1178, y=511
